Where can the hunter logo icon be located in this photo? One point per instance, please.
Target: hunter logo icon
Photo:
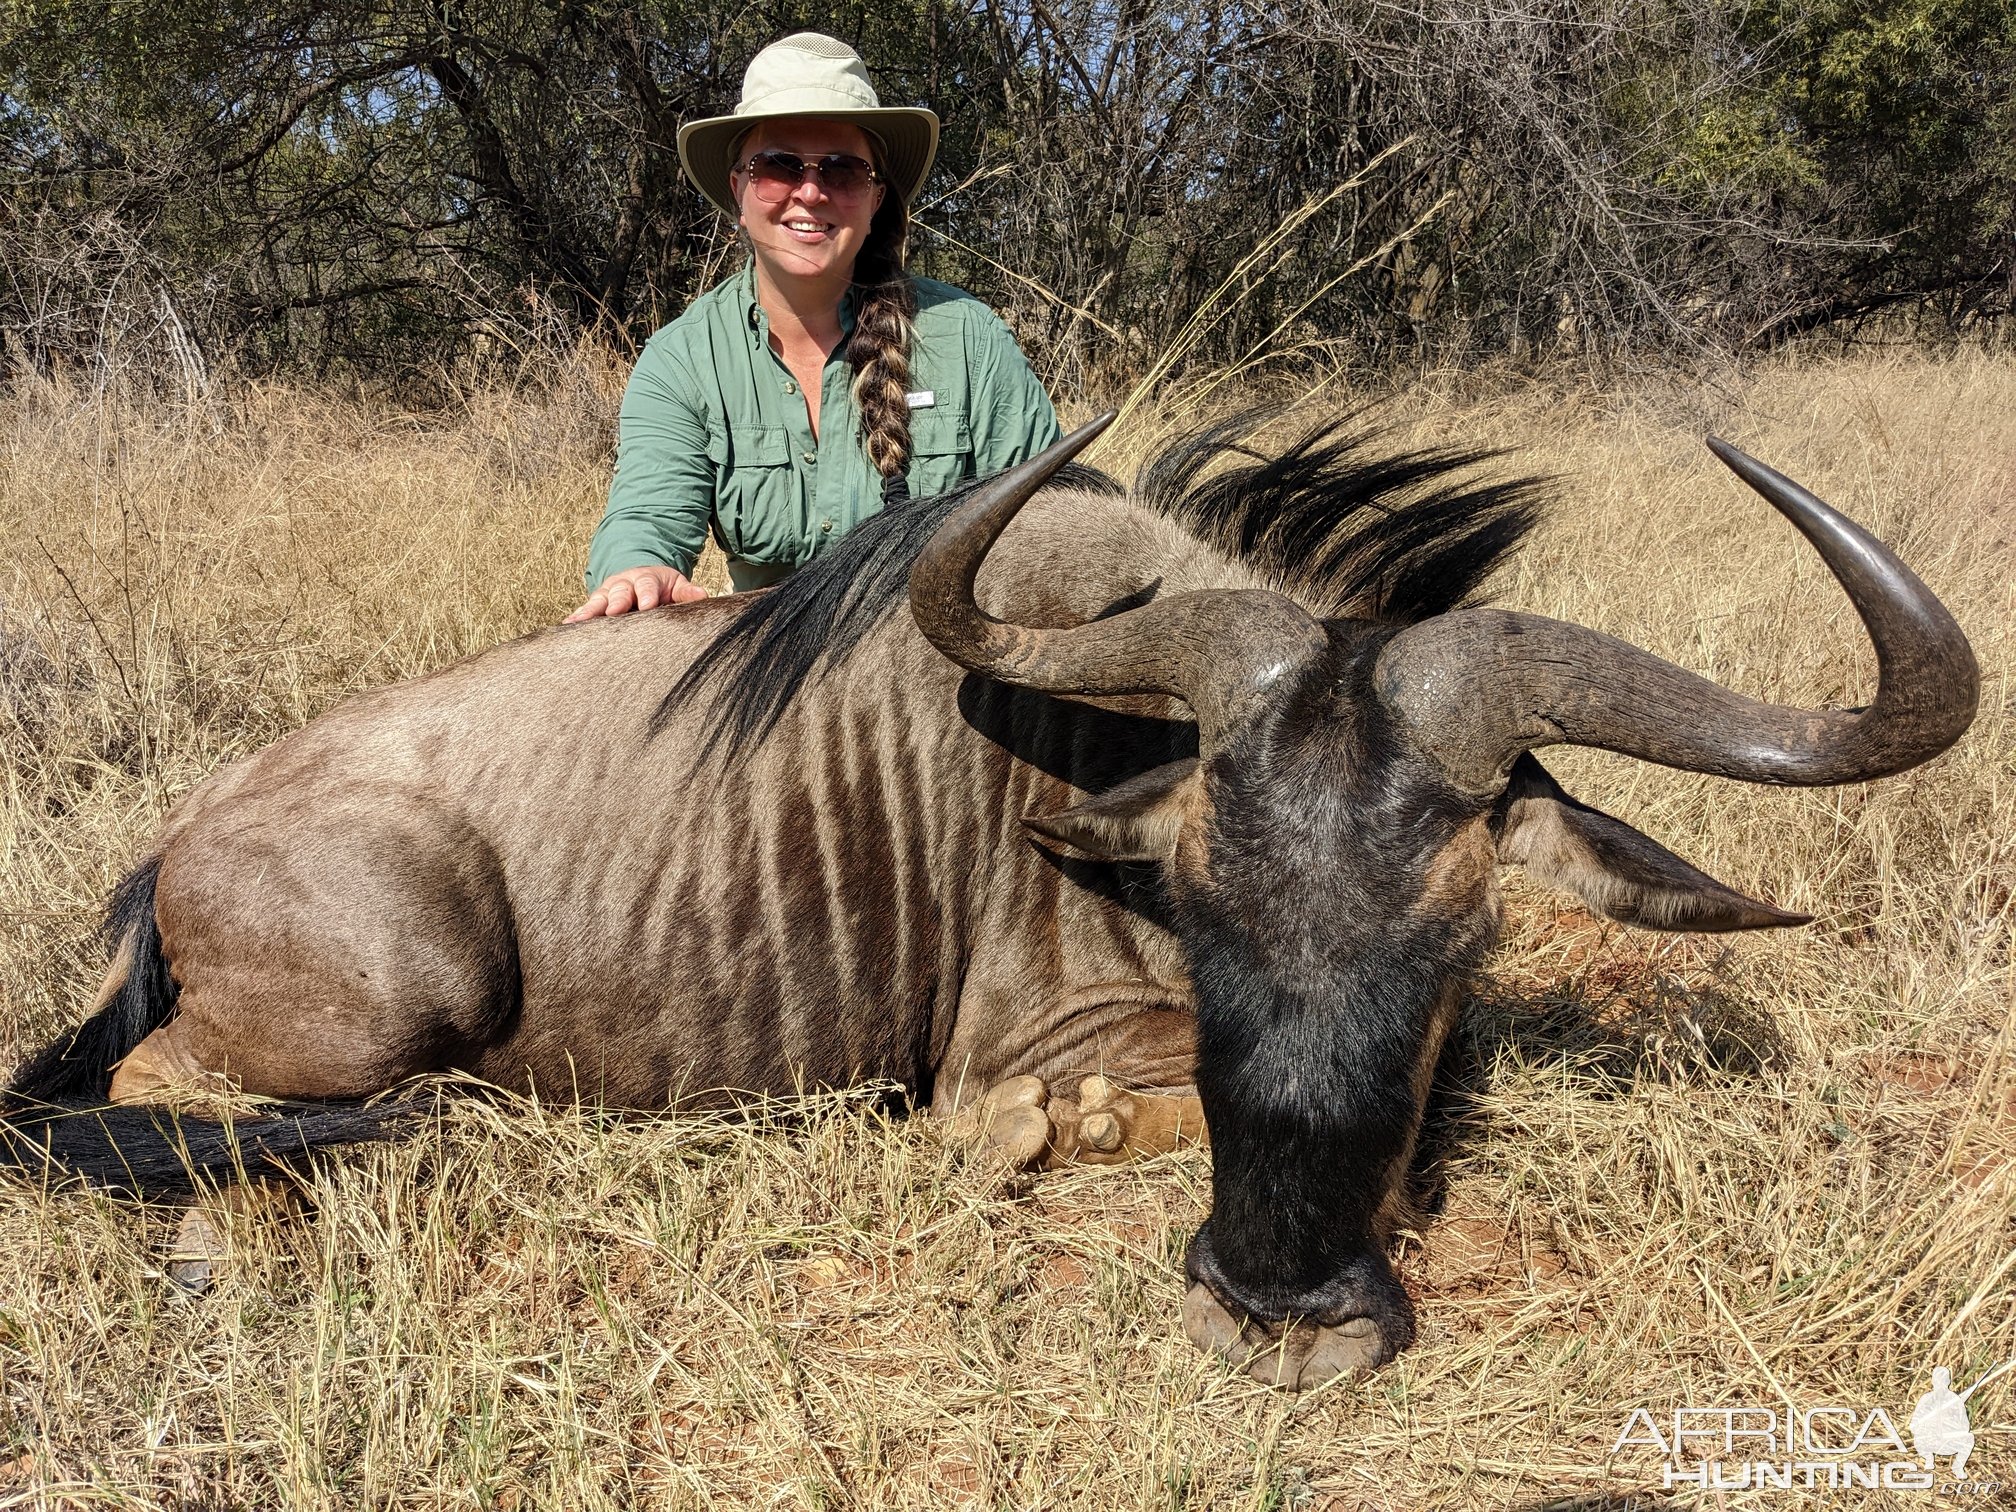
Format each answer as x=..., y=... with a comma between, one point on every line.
x=1939, y=1424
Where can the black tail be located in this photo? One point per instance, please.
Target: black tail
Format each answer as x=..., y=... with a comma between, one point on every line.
x=153, y=1152
x=54, y=1122
x=79, y=1063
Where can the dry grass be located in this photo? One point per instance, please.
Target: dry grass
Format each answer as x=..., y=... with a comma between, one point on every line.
x=1664, y=1171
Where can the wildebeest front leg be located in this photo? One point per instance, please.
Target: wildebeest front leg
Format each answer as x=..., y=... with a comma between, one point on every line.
x=1139, y=1102
x=1099, y=1122
x=1105, y=1123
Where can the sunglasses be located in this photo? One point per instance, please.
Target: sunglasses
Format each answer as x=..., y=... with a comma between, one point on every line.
x=777, y=175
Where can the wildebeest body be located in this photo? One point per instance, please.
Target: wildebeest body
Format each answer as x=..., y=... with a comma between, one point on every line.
x=498, y=868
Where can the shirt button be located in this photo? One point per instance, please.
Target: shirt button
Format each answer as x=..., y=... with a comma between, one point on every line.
x=790, y=387
x=825, y=527
x=810, y=456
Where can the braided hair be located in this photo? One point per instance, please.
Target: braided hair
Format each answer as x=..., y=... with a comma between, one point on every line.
x=885, y=307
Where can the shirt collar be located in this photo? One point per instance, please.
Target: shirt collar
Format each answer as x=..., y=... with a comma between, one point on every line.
x=759, y=322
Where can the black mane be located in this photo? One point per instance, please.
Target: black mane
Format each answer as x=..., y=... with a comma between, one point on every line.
x=1343, y=527
x=1344, y=530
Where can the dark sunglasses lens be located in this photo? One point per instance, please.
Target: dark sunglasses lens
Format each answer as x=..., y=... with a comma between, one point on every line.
x=776, y=174
x=842, y=174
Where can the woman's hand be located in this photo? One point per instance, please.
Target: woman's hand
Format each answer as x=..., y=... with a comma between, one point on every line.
x=638, y=588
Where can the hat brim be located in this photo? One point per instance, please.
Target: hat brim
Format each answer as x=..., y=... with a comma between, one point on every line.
x=909, y=139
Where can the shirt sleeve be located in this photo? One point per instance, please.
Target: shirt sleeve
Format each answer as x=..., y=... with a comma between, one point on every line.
x=1009, y=410
x=662, y=494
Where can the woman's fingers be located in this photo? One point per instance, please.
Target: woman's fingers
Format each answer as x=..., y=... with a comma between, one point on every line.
x=638, y=588
x=597, y=604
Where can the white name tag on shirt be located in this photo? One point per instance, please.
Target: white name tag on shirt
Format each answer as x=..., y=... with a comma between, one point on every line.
x=922, y=399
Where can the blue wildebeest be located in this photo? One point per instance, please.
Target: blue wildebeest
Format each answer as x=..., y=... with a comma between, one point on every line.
x=1190, y=793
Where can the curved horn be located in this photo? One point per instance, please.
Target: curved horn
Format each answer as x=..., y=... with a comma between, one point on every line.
x=1477, y=687
x=1214, y=648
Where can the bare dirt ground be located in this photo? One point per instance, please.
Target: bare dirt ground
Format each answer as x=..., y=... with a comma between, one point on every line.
x=1662, y=1172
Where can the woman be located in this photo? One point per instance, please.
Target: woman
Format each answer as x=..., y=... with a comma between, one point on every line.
x=822, y=381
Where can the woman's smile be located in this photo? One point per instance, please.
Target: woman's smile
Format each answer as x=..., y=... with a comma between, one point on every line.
x=808, y=228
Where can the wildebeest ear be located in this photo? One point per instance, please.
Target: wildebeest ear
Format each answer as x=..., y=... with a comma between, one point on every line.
x=1136, y=821
x=1612, y=867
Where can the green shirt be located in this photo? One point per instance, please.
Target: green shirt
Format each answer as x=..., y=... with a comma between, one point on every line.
x=713, y=428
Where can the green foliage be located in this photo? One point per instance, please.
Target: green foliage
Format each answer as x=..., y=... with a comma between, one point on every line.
x=1742, y=146
x=1910, y=109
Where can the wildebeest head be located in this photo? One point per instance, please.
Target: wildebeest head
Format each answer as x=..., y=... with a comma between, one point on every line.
x=1329, y=857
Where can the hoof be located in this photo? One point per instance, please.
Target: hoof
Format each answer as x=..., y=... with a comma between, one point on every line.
x=1296, y=1357
x=1028, y=1127
x=1009, y=1122
x=193, y=1276
x=197, y=1257
x=1111, y=1125
x=201, y=1251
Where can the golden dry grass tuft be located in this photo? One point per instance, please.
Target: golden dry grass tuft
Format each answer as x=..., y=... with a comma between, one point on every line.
x=1661, y=1171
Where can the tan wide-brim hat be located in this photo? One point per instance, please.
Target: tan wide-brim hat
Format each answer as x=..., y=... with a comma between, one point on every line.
x=807, y=74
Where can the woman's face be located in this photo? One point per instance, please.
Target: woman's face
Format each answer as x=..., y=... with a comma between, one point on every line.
x=810, y=234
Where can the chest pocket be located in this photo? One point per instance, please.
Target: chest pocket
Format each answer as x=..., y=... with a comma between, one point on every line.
x=756, y=492
x=941, y=451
